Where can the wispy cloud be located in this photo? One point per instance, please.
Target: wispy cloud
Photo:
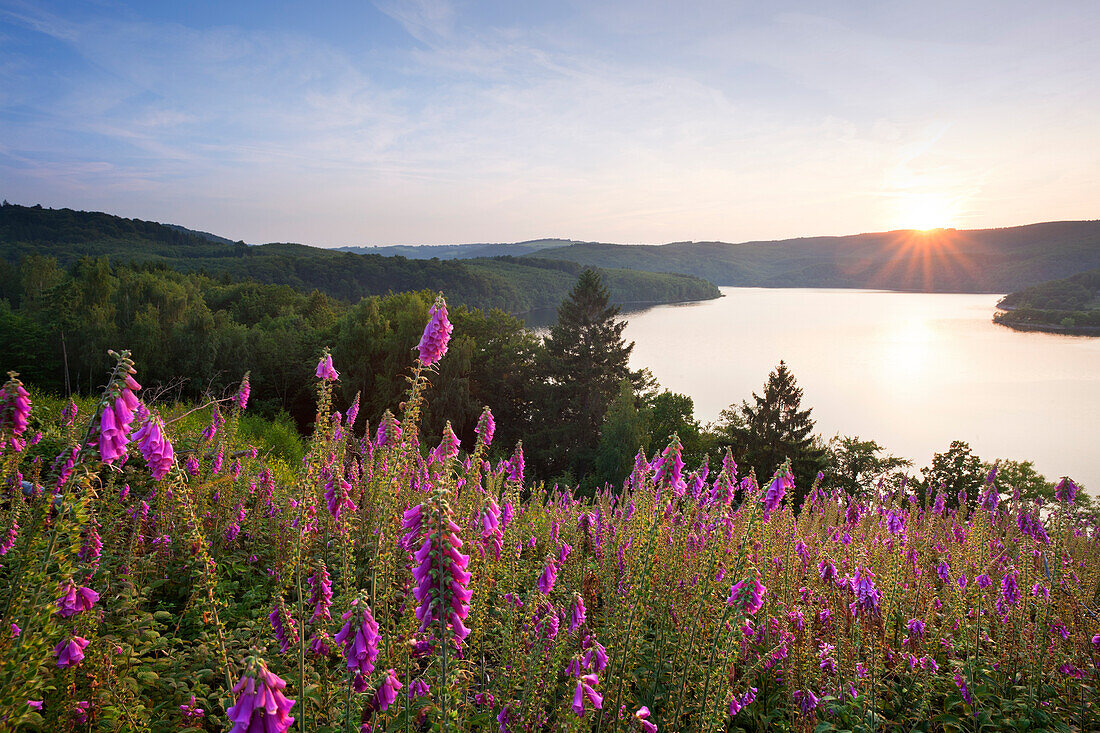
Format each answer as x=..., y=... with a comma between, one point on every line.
x=607, y=121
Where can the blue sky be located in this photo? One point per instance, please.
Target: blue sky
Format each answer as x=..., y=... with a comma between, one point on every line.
x=438, y=122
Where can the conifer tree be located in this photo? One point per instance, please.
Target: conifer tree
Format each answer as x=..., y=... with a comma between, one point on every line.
x=584, y=362
x=774, y=428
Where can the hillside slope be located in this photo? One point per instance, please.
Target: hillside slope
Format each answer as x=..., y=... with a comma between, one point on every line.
x=942, y=260
x=515, y=286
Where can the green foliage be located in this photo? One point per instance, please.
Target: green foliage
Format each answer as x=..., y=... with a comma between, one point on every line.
x=774, y=428
x=857, y=466
x=956, y=470
x=584, y=362
x=1071, y=304
x=509, y=284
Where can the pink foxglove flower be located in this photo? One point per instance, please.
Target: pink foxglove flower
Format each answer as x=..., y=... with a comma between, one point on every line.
x=440, y=571
x=577, y=615
x=486, y=426
x=243, y=392
x=516, y=466
x=642, y=716
x=867, y=595
x=448, y=446
x=359, y=639
x=433, y=344
x=320, y=585
x=261, y=706
x=325, y=370
x=586, y=691
x=155, y=448
x=69, y=652
x=670, y=466
x=286, y=633
x=387, y=693
x=75, y=600
x=549, y=577
x=353, y=411
x=1066, y=490
x=777, y=489
x=114, y=423
x=389, y=430
x=15, y=406
x=338, y=497
x=749, y=596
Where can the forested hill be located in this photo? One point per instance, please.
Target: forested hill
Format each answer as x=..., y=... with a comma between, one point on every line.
x=461, y=251
x=941, y=260
x=1069, y=305
x=511, y=285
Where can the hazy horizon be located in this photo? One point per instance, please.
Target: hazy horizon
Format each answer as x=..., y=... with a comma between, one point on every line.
x=438, y=122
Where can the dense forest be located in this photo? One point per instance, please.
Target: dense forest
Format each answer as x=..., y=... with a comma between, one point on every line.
x=939, y=260
x=510, y=285
x=1069, y=305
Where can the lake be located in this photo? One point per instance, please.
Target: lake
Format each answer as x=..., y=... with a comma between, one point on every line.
x=912, y=371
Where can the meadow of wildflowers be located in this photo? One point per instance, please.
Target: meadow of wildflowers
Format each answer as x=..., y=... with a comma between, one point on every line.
x=157, y=574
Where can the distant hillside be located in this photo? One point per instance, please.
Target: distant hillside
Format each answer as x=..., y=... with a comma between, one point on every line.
x=1069, y=305
x=513, y=286
x=943, y=260
x=460, y=251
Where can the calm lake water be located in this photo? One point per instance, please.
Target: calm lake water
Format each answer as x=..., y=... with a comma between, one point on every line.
x=912, y=371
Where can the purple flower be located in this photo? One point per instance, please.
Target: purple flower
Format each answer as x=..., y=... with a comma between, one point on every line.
x=242, y=394
x=325, y=370
x=190, y=711
x=261, y=706
x=441, y=588
x=895, y=523
x=1066, y=490
x=777, y=489
x=34, y=704
x=586, y=691
x=320, y=597
x=338, y=497
x=75, y=600
x=549, y=577
x=670, y=466
x=961, y=684
x=807, y=701
x=486, y=426
x=577, y=616
x=70, y=651
x=359, y=638
x=867, y=596
x=15, y=406
x=155, y=448
x=641, y=716
x=491, y=533
x=418, y=688
x=353, y=411
x=595, y=656
x=114, y=422
x=389, y=430
x=916, y=628
x=387, y=693
x=433, y=344
x=286, y=633
x=1010, y=594
x=515, y=468
x=448, y=446
x=750, y=597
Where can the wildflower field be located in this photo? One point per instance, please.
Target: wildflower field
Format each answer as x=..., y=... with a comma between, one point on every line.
x=160, y=573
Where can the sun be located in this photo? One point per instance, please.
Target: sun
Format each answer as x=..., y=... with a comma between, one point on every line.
x=925, y=211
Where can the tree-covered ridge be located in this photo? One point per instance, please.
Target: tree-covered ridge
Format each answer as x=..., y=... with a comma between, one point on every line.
x=1069, y=305
x=510, y=285
x=941, y=260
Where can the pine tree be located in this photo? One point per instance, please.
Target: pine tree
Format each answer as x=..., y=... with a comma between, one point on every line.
x=775, y=428
x=585, y=360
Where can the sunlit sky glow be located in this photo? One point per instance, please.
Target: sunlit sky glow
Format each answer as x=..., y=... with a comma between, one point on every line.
x=433, y=122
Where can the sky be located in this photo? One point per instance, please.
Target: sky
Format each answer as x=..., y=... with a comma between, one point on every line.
x=439, y=121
